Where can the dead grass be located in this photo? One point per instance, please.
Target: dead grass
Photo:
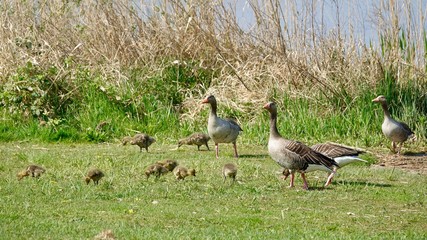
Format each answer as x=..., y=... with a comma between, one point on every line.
x=285, y=50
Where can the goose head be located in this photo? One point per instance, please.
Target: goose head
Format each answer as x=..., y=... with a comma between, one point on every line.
x=380, y=99
x=209, y=99
x=271, y=107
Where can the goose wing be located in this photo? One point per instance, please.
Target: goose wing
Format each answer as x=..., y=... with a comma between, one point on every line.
x=309, y=155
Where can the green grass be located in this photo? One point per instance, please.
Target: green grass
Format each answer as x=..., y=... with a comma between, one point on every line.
x=363, y=201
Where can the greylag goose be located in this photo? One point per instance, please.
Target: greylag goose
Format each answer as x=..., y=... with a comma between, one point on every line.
x=142, y=141
x=95, y=175
x=293, y=155
x=156, y=169
x=198, y=139
x=168, y=164
x=221, y=130
x=33, y=170
x=343, y=155
x=229, y=170
x=397, y=132
x=182, y=172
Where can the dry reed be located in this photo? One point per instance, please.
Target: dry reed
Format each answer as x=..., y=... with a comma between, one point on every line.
x=285, y=50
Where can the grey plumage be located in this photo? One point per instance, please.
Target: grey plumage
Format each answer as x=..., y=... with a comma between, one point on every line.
x=397, y=132
x=221, y=130
x=294, y=155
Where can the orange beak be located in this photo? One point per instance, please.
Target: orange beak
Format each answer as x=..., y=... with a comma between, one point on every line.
x=266, y=106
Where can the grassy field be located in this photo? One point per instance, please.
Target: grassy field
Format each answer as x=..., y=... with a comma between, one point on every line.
x=363, y=202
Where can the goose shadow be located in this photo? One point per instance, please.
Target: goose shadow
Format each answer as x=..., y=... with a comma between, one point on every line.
x=415, y=154
x=360, y=183
x=253, y=156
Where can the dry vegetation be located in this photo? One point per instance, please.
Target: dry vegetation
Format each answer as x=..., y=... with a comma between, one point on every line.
x=286, y=49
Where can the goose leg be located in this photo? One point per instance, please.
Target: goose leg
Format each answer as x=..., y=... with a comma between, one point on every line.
x=399, y=147
x=305, y=181
x=216, y=150
x=331, y=176
x=393, y=147
x=291, y=182
x=235, y=150
x=207, y=146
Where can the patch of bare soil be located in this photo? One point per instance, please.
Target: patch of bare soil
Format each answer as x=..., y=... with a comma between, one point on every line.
x=410, y=161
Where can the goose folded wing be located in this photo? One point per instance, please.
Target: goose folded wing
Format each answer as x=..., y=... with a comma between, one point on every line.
x=309, y=155
x=334, y=150
x=406, y=127
x=234, y=123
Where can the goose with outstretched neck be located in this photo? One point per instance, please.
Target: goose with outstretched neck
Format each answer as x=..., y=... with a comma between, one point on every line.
x=221, y=130
x=294, y=155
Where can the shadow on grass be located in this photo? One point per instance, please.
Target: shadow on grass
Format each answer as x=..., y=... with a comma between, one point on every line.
x=344, y=182
x=415, y=154
x=253, y=156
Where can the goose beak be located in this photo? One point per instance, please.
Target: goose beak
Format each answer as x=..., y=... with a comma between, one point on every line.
x=205, y=100
x=267, y=106
x=375, y=100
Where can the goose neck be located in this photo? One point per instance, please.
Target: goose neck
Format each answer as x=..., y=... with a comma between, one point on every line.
x=273, y=125
x=385, y=109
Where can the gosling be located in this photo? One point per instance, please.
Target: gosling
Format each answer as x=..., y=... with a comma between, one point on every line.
x=182, y=172
x=33, y=170
x=155, y=169
x=126, y=140
x=229, y=170
x=168, y=164
x=142, y=141
x=198, y=139
x=95, y=175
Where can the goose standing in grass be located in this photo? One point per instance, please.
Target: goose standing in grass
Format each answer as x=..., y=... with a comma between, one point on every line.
x=33, y=170
x=142, y=141
x=221, y=130
x=182, y=172
x=397, y=132
x=342, y=154
x=229, y=170
x=95, y=175
x=293, y=155
x=198, y=139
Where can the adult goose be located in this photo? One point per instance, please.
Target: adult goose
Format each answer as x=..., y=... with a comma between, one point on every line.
x=397, y=132
x=293, y=155
x=342, y=154
x=221, y=130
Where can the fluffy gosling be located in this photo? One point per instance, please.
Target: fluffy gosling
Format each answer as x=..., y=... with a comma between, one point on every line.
x=229, y=170
x=33, y=170
x=182, y=172
x=95, y=175
x=156, y=170
x=168, y=164
x=142, y=141
x=198, y=139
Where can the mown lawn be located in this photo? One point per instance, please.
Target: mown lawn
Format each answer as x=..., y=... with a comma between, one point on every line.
x=363, y=202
